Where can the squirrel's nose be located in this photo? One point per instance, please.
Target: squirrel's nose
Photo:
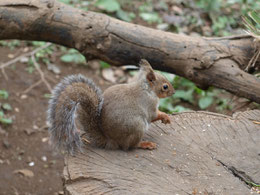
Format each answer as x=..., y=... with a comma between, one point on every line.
x=171, y=92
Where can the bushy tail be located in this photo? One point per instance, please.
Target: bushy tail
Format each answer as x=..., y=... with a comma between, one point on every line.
x=75, y=93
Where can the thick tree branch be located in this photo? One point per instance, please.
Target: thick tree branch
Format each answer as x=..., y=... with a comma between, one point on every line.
x=206, y=61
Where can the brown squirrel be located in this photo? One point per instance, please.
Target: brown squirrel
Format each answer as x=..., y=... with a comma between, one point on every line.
x=118, y=118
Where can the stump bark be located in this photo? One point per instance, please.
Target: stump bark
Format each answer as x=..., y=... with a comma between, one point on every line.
x=199, y=153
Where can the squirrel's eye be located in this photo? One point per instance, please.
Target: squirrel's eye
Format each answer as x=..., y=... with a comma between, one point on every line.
x=165, y=86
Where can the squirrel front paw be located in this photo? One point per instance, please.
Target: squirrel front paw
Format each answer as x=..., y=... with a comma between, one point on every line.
x=165, y=119
x=147, y=145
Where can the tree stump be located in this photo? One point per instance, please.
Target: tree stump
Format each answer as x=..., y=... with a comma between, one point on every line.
x=199, y=153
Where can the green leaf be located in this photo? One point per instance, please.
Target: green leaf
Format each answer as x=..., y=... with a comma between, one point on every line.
x=6, y=120
x=104, y=64
x=68, y=58
x=213, y=5
x=248, y=23
x=10, y=44
x=125, y=15
x=38, y=43
x=199, y=91
x=108, y=5
x=4, y=94
x=3, y=119
x=182, y=82
x=65, y=1
x=205, y=102
x=223, y=104
x=180, y=109
x=30, y=69
x=7, y=106
x=166, y=105
x=188, y=83
x=212, y=93
x=185, y=95
x=151, y=17
x=3, y=43
x=133, y=73
x=146, y=7
x=73, y=57
x=163, y=5
x=13, y=44
x=254, y=15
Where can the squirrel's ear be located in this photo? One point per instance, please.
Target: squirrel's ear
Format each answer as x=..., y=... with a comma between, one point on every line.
x=147, y=68
x=144, y=64
x=150, y=76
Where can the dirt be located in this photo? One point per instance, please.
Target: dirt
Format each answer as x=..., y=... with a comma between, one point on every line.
x=24, y=144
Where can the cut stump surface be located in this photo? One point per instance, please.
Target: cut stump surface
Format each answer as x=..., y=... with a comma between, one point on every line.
x=200, y=152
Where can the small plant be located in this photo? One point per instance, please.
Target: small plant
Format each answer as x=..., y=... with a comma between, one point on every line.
x=166, y=105
x=187, y=91
x=224, y=16
x=42, y=55
x=147, y=13
x=73, y=55
x=11, y=44
x=113, y=6
x=108, y=5
x=30, y=68
x=252, y=23
x=4, y=107
x=223, y=104
x=4, y=94
x=104, y=64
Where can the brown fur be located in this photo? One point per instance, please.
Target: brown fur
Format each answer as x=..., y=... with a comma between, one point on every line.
x=127, y=110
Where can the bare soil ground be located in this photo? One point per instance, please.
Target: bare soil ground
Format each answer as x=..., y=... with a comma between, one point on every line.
x=24, y=144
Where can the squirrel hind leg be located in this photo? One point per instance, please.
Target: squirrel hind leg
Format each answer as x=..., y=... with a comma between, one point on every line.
x=131, y=141
x=147, y=145
x=112, y=145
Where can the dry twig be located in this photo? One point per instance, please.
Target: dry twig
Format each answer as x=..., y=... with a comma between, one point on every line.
x=20, y=57
x=5, y=75
x=37, y=66
x=242, y=105
x=32, y=86
x=256, y=122
x=253, y=60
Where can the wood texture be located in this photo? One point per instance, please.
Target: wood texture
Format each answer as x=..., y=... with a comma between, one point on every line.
x=199, y=153
x=206, y=61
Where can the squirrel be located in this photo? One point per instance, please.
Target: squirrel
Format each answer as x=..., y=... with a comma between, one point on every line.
x=116, y=119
